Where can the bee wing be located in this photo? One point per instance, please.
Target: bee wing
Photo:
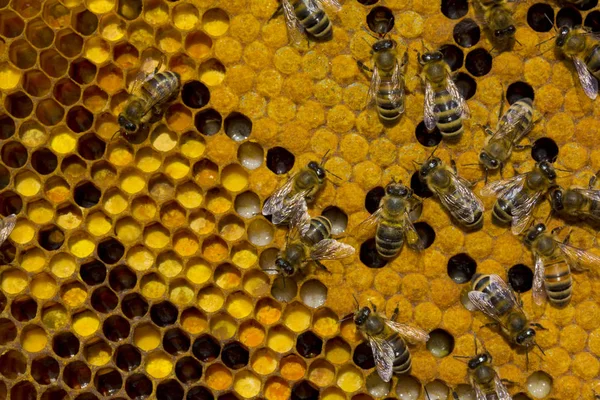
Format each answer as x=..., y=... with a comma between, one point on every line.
x=462, y=201
x=369, y=223
x=483, y=302
x=521, y=214
x=295, y=29
x=506, y=188
x=330, y=249
x=455, y=93
x=374, y=86
x=479, y=395
x=510, y=120
x=588, y=82
x=145, y=73
x=397, y=82
x=6, y=227
x=300, y=221
x=383, y=354
x=411, y=235
x=539, y=294
x=275, y=202
x=592, y=194
x=414, y=335
x=428, y=114
x=501, y=390
x=578, y=259
x=333, y=4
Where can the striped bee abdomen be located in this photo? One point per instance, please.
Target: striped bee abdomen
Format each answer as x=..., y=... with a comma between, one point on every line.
x=389, y=239
x=313, y=19
x=558, y=283
x=525, y=106
x=390, y=102
x=161, y=87
x=448, y=114
x=592, y=61
x=319, y=229
x=481, y=283
x=402, y=360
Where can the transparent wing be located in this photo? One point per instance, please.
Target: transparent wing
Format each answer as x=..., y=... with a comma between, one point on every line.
x=295, y=29
x=333, y=4
x=578, y=259
x=428, y=115
x=383, y=354
x=521, y=214
x=300, y=221
x=588, y=82
x=509, y=121
x=374, y=87
x=6, y=227
x=454, y=92
x=479, y=395
x=413, y=240
x=505, y=189
x=410, y=333
x=498, y=286
x=289, y=207
x=397, y=82
x=368, y=224
x=330, y=249
x=482, y=302
x=501, y=291
x=539, y=293
x=145, y=73
x=592, y=194
x=501, y=390
x=275, y=202
x=462, y=201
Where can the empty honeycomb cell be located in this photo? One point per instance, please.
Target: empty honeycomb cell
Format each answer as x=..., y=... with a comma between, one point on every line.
x=23, y=308
x=22, y=54
x=138, y=386
x=33, y=338
x=91, y=147
x=108, y=381
x=27, y=184
x=100, y=6
x=11, y=203
x=540, y=17
x=93, y=273
x=85, y=22
x=192, y=145
x=23, y=390
x=211, y=72
x=134, y=306
x=539, y=384
x=11, y=25
x=79, y=119
x=208, y=122
x=68, y=43
x=478, y=62
x=12, y=364
x=380, y=20
x=280, y=160
x=116, y=328
x=544, y=149
x=305, y=390
x=18, y=104
x=39, y=34
x=77, y=375
x=461, y=268
x=309, y=345
x=49, y=112
x=148, y=160
x=45, y=370
x=81, y=71
x=176, y=341
x=164, y=313
x=7, y=127
x=127, y=358
x=466, y=33
x=188, y=370
x=44, y=161
x=8, y=332
x=467, y=86
x=568, y=16
x=369, y=256
x=592, y=21
x=104, y=300
x=520, y=278
x=122, y=278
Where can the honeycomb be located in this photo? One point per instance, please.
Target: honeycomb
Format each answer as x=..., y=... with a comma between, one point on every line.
x=137, y=267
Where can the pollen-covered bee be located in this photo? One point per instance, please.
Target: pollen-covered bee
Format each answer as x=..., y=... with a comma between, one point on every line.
x=453, y=191
x=512, y=127
x=580, y=203
x=444, y=105
x=500, y=22
x=387, y=80
x=309, y=16
x=491, y=295
x=394, y=220
x=553, y=263
x=299, y=189
x=309, y=239
x=517, y=196
x=585, y=53
x=386, y=338
x=150, y=90
x=7, y=224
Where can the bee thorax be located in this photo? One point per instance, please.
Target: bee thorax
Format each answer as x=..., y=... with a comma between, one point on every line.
x=484, y=374
x=374, y=325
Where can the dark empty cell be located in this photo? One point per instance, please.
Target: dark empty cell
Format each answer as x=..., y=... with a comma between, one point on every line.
x=363, y=356
x=368, y=2
x=104, y=300
x=540, y=17
x=176, y=341
x=4, y=177
x=440, y=343
x=453, y=56
x=169, y=390
x=134, y=306
x=466, y=85
x=199, y=393
x=369, y=255
x=65, y=345
x=195, y=94
x=304, y=390
x=544, y=149
x=67, y=92
x=238, y=126
x=18, y=104
x=128, y=357
x=373, y=198
x=87, y=195
x=51, y=238
x=44, y=161
x=36, y=83
x=110, y=251
x=426, y=138
x=49, y=112
x=77, y=375
x=23, y=309
x=86, y=396
x=208, y=122
x=82, y=71
x=138, y=386
x=520, y=278
x=11, y=25
x=115, y=328
x=108, y=382
x=55, y=393
x=426, y=233
x=53, y=63
x=39, y=34
x=8, y=331
x=592, y=21
x=280, y=160
x=14, y=154
x=129, y=9
x=12, y=364
x=466, y=33
x=455, y=9
x=121, y=278
x=309, y=345
x=478, y=62
x=235, y=355
x=69, y=43
x=7, y=252
x=7, y=127
x=188, y=370
x=23, y=391
x=91, y=147
x=419, y=187
x=206, y=348
x=93, y=273
x=380, y=20
x=10, y=203
x=461, y=268
x=3, y=301
x=86, y=22
x=79, y=119
x=229, y=396
x=568, y=16
x=519, y=90
x=164, y=314
x=45, y=370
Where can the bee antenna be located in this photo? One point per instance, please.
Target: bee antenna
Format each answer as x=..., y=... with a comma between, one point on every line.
x=346, y=318
x=369, y=32
x=324, y=156
x=552, y=22
x=462, y=357
x=475, y=341
x=115, y=134
x=331, y=173
x=433, y=152
x=356, y=301
x=520, y=44
x=539, y=347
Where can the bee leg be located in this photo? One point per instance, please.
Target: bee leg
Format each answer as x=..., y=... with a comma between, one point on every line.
x=491, y=324
x=362, y=66
x=539, y=326
x=522, y=146
x=277, y=12
x=404, y=59
x=593, y=180
x=320, y=265
x=453, y=164
x=395, y=313
x=557, y=230
x=373, y=306
x=508, y=382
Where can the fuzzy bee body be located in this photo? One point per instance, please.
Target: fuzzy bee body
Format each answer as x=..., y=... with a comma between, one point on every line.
x=319, y=229
x=500, y=22
x=580, y=203
x=309, y=16
x=484, y=379
x=585, y=53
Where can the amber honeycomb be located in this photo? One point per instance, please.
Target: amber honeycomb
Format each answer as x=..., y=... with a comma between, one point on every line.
x=136, y=268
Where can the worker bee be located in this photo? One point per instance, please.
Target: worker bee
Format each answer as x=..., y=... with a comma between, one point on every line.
x=394, y=220
x=453, y=191
x=386, y=338
x=309, y=239
x=553, y=263
x=491, y=295
x=500, y=22
x=512, y=127
x=309, y=16
x=7, y=224
x=517, y=196
x=585, y=54
x=581, y=203
x=444, y=105
x=150, y=90
x=387, y=80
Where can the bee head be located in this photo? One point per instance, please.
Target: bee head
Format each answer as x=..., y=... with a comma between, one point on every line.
x=397, y=189
x=556, y=198
x=360, y=317
x=506, y=32
x=382, y=45
x=547, y=169
x=526, y=337
x=429, y=165
x=478, y=360
x=320, y=171
x=534, y=232
x=488, y=161
x=284, y=266
x=561, y=38
x=430, y=57
x=126, y=124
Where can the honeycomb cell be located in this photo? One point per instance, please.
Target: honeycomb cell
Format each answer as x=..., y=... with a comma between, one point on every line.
x=69, y=43
x=163, y=139
x=380, y=20
x=138, y=386
x=79, y=119
x=568, y=16
x=198, y=45
x=306, y=391
x=461, y=268
x=146, y=337
x=440, y=343
x=539, y=384
x=7, y=127
x=215, y=22
x=158, y=365
x=49, y=112
x=478, y=62
x=27, y=184
x=466, y=85
x=45, y=370
x=97, y=352
x=73, y=167
x=520, y=278
x=104, y=300
x=192, y=145
x=39, y=34
x=454, y=9
x=11, y=77
x=116, y=328
x=185, y=16
x=238, y=126
x=544, y=149
x=85, y=22
x=23, y=308
x=125, y=55
x=466, y=33
x=592, y=20
x=428, y=138
x=211, y=72
x=108, y=381
x=280, y=160
x=23, y=390
x=369, y=256
x=222, y=326
x=22, y=54
x=86, y=323
x=127, y=358
x=73, y=295
x=8, y=332
x=36, y=83
x=199, y=393
x=408, y=387
x=77, y=375
x=51, y=237
x=33, y=338
x=62, y=265
x=13, y=364
x=208, y=122
x=18, y=104
x=44, y=161
x=11, y=25
x=540, y=17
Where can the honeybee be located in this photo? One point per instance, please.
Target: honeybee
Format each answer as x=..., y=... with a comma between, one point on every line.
x=309, y=16
x=387, y=80
x=444, y=105
x=394, y=222
x=553, y=263
x=585, y=55
x=581, y=203
x=517, y=196
x=453, y=191
x=7, y=224
x=386, y=338
x=513, y=126
x=309, y=239
x=491, y=295
x=150, y=90
x=500, y=22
